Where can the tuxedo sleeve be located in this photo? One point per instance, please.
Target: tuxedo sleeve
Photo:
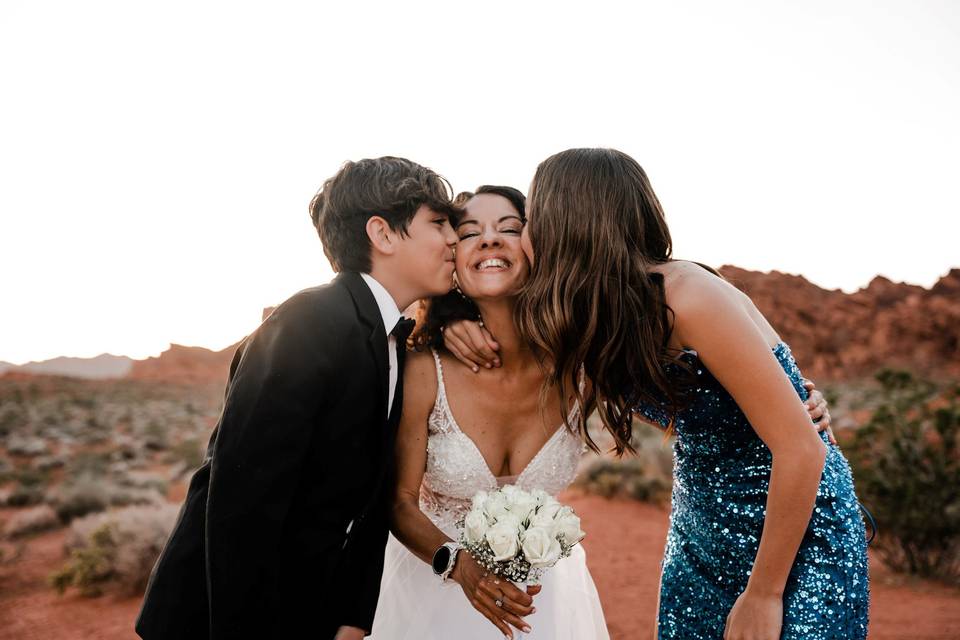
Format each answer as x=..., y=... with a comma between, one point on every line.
x=268, y=421
x=363, y=566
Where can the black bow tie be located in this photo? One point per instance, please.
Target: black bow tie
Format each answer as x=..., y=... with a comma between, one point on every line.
x=403, y=329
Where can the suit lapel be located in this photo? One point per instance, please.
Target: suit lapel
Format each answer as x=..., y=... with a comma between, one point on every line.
x=369, y=313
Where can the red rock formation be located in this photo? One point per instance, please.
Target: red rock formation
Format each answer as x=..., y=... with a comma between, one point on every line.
x=189, y=365
x=836, y=335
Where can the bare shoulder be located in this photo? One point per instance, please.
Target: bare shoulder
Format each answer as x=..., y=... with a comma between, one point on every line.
x=699, y=299
x=690, y=288
x=419, y=380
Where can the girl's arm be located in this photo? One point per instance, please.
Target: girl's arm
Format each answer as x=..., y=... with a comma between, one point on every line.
x=711, y=318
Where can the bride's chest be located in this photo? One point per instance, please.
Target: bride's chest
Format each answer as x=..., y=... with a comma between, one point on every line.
x=456, y=468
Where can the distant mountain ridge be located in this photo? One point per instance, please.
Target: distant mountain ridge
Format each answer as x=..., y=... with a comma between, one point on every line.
x=101, y=367
x=834, y=335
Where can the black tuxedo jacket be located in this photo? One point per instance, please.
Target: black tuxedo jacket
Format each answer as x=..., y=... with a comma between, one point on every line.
x=283, y=530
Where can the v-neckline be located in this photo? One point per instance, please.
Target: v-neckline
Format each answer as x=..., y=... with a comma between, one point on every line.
x=442, y=388
x=480, y=456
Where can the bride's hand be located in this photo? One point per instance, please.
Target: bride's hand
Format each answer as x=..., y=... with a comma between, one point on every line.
x=755, y=617
x=471, y=344
x=818, y=410
x=484, y=590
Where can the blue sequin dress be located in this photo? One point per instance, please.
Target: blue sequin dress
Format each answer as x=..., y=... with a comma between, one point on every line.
x=721, y=477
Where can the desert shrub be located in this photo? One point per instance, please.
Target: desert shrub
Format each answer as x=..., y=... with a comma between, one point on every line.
x=126, y=496
x=24, y=496
x=645, y=476
x=30, y=489
x=189, y=452
x=907, y=469
x=81, y=496
x=12, y=418
x=628, y=477
x=89, y=463
x=138, y=479
x=33, y=520
x=46, y=463
x=27, y=446
x=115, y=548
x=28, y=477
x=156, y=436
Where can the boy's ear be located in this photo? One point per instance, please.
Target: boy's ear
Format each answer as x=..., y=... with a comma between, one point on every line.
x=381, y=236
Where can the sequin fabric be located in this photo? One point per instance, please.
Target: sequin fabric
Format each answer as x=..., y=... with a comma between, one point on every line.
x=721, y=476
x=456, y=470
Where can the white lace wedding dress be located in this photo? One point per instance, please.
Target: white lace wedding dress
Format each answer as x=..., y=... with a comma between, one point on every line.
x=415, y=605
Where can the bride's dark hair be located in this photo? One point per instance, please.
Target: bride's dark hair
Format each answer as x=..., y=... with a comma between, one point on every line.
x=597, y=227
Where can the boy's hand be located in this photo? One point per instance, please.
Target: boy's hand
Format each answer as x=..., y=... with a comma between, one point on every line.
x=471, y=344
x=350, y=633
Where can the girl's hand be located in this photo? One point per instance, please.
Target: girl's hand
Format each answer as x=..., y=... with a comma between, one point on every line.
x=755, y=617
x=484, y=590
x=471, y=344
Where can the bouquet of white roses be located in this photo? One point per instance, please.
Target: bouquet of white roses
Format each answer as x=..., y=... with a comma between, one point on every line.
x=518, y=534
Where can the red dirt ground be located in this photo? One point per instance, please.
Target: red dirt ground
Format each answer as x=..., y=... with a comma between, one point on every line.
x=624, y=544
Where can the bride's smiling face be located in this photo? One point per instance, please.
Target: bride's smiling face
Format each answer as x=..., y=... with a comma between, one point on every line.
x=490, y=260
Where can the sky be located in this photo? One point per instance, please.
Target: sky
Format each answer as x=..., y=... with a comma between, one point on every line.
x=157, y=159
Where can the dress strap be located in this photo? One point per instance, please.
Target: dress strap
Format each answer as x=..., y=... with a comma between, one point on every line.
x=441, y=390
x=441, y=414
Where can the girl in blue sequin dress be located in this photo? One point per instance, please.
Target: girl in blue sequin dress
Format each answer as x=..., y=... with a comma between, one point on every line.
x=766, y=540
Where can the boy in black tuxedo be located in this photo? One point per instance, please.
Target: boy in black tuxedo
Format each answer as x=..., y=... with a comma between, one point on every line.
x=284, y=525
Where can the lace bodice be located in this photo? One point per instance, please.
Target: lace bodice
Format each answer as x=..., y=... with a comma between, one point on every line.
x=456, y=470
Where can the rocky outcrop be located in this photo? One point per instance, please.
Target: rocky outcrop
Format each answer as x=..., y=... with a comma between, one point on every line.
x=835, y=335
x=189, y=365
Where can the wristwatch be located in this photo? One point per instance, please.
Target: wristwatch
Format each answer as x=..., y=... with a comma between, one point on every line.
x=444, y=558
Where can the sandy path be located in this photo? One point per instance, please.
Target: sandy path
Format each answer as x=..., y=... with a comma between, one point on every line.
x=624, y=544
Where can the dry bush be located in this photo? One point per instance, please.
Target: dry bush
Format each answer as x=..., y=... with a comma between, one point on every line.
x=81, y=496
x=646, y=476
x=29, y=521
x=116, y=548
x=25, y=495
x=906, y=463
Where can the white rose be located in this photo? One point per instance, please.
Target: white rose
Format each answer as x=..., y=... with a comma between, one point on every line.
x=509, y=491
x=502, y=538
x=511, y=519
x=494, y=506
x=542, y=520
x=567, y=524
x=521, y=504
x=541, y=496
x=479, y=499
x=540, y=548
x=475, y=526
x=550, y=509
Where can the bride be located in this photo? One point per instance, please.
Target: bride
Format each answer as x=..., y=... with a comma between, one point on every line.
x=463, y=432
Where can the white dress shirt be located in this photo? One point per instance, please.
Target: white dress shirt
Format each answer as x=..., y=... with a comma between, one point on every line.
x=391, y=315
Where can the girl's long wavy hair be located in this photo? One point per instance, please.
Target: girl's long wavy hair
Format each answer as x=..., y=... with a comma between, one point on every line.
x=596, y=228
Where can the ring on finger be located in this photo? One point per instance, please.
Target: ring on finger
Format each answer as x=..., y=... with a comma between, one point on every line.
x=498, y=602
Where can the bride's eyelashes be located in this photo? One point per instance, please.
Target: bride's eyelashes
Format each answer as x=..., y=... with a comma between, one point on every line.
x=474, y=234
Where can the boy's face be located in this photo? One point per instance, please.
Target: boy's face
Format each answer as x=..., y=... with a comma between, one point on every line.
x=426, y=255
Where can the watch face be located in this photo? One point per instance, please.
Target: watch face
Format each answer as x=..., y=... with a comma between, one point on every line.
x=440, y=560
